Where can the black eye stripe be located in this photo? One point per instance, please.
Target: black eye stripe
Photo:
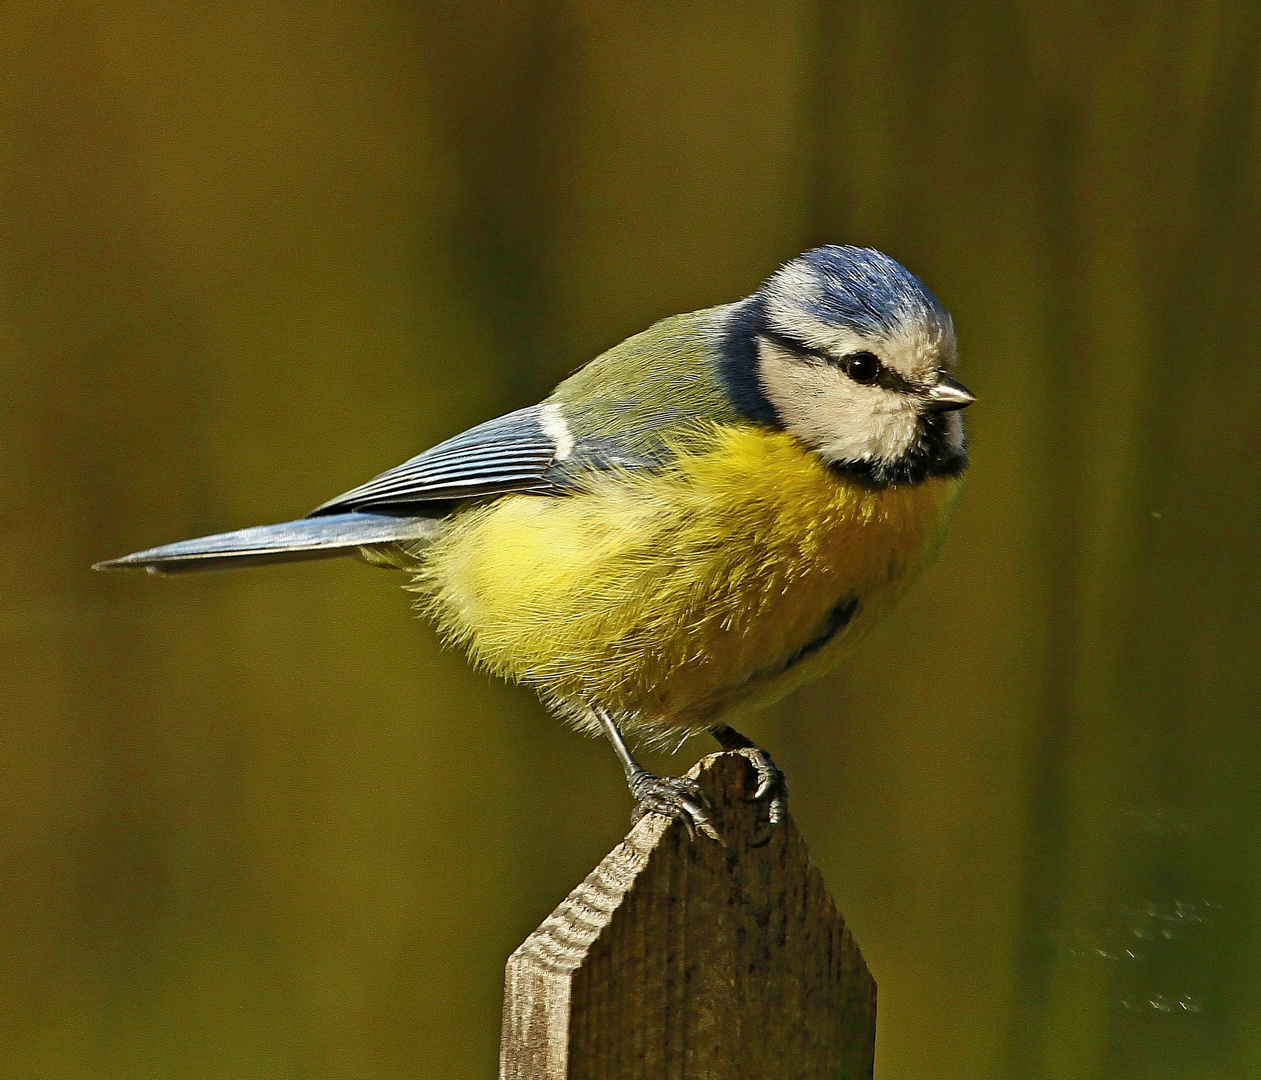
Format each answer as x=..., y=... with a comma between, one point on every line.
x=891, y=380
x=888, y=379
x=791, y=345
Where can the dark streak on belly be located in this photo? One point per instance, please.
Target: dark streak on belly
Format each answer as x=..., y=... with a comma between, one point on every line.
x=837, y=619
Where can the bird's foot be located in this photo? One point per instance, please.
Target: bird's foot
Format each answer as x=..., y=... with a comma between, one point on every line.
x=772, y=788
x=675, y=797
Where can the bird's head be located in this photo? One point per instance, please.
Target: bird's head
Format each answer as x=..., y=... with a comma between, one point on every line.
x=847, y=350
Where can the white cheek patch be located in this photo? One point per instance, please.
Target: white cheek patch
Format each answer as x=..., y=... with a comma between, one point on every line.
x=836, y=416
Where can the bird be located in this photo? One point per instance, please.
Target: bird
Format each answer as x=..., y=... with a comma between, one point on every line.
x=692, y=525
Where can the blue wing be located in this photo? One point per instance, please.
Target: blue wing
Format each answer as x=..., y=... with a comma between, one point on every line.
x=517, y=452
x=510, y=453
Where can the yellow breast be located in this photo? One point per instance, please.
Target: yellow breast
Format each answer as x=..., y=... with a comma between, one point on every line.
x=672, y=598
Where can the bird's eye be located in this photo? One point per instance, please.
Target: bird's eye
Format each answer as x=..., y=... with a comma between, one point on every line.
x=862, y=367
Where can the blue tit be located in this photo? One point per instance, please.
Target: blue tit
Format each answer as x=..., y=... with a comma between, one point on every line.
x=698, y=521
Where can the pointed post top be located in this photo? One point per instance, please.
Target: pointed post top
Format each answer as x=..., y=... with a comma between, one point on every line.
x=687, y=959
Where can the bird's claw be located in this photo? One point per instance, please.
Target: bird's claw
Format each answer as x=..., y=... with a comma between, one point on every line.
x=675, y=797
x=772, y=789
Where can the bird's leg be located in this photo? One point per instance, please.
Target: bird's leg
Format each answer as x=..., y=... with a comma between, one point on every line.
x=771, y=784
x=671, y=796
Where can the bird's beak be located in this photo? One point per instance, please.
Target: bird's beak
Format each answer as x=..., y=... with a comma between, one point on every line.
x=948, y=395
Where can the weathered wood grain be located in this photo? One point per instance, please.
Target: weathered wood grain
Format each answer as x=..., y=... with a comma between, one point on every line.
x=682, y=960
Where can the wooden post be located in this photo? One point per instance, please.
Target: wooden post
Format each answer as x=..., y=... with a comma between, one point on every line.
x=683, y=960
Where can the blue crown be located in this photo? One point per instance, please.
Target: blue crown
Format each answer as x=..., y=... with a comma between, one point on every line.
x=862, y=289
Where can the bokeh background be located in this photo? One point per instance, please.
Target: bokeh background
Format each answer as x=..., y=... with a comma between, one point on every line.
x=260, y=825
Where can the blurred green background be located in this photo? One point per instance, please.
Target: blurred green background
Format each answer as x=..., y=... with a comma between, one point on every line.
x=251, y=253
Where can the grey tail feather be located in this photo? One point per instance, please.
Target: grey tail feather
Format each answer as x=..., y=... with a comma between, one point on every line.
x=306, y=538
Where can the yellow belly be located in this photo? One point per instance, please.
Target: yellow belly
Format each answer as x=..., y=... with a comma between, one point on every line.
x=673, y=599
